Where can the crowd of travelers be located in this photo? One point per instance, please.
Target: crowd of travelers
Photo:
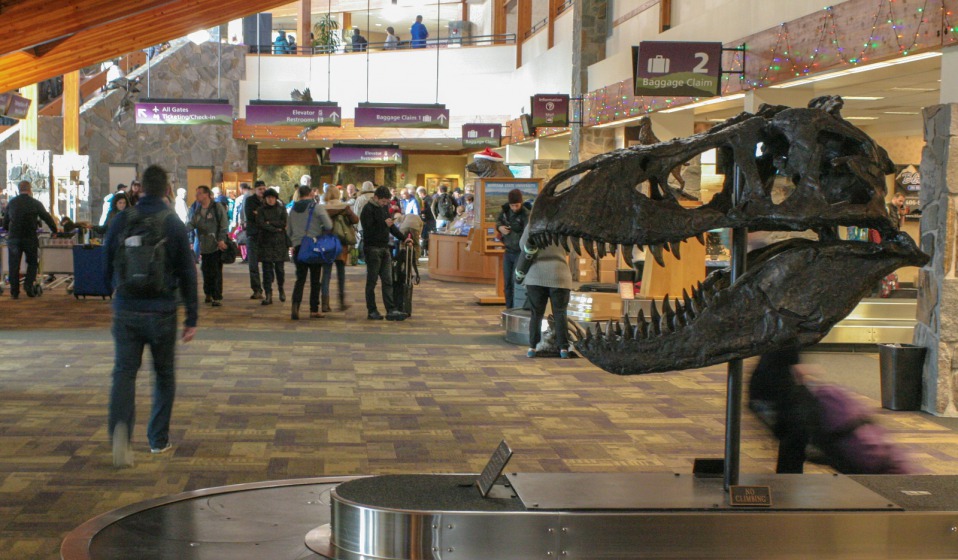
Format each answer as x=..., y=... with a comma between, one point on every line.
x=285, y=43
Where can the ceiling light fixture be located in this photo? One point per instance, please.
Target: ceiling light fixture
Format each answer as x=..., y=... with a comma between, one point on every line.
x=860, y=118
x=705, y=103
x=900, y=112
x=858, y=69
x=861, y=98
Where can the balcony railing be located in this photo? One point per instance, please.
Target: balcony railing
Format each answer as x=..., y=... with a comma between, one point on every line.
x=441, y=42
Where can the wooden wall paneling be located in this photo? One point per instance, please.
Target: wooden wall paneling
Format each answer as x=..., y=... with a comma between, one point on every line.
x=71, y=112
x=553, y=13
x=665, y=15
x=304, y=24
x=499, y=20
x=523, y=26
x=28, y=126
x=147, y=28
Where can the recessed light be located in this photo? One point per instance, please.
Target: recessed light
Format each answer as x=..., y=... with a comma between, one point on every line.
x=900, y=112
x=379, y=25
x=913, y=89
x=860, y=98
x=861, y=118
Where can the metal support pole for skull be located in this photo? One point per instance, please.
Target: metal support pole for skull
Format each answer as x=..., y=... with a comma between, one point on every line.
x=733, y=410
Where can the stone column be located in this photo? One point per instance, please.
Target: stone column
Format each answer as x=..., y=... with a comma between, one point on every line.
x=937, y=328
x=590, y=143
x=590, y=23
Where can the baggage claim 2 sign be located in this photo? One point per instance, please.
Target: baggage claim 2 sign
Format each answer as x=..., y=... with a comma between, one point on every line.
x=666, y=68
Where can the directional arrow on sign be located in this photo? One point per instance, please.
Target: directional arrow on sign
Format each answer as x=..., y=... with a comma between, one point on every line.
x=442, y=117
x=334, y=116
x=397, y=157
x=141, y=113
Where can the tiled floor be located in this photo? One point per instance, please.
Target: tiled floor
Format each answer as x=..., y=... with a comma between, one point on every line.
x=261, y=397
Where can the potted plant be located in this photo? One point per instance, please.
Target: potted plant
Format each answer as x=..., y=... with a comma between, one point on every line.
x=326, y=35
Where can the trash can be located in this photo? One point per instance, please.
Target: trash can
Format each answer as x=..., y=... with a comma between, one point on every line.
x=901, y=366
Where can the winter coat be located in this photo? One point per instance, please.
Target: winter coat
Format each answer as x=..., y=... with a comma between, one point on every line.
x=271, y=244
x=210, y=225
x=517, y=221
x=299, y=217
x=335, y=209
x=550, y=269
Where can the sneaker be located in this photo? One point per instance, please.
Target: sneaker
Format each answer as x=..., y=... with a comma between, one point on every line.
x=257, y=295
x=395, y=316
x=209, y=299
x=374, y=316
x=30, y=290
x=217, y=303
x=159, y=450
x=531, y=353
x=122, y=450
x=563, y=354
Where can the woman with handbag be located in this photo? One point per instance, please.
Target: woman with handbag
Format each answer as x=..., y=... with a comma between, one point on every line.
x=271, y=244
x=306, y=219
x=209, y=221
x=343, y=219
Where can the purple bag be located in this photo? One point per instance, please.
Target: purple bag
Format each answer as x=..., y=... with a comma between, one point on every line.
x=851, y=440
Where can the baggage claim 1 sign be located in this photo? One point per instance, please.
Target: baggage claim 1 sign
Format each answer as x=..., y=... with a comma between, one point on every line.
x=666, y=68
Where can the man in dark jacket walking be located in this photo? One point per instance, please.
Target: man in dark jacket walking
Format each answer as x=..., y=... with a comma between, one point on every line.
x=21, y=220
x=511, y=223
x=251, y=208
x=377, y=226
x=141, y=319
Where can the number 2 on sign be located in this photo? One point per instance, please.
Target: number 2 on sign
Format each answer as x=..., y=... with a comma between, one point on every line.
x=700, y=68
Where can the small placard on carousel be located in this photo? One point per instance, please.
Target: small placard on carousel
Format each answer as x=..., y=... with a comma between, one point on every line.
x=750, y=496
x=494, y=468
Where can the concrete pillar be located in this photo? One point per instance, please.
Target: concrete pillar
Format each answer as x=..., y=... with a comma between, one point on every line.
x=949, y=75
x=592, y=142
x=590, y=25
x=937, y=328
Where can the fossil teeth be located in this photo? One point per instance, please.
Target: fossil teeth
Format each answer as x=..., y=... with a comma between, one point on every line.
x=680, y=321
x=627, y=333
x=679, y=308
x=700, y=237
x=600, y=249
x=564, y=241
x=666, y=308
x=576, y=244
x=609, y=328
x=642, y=328
x=655, y=322
x=626, y=251
x=656, y=251
x=674, y=247
x=590, y=247
x=612, y=249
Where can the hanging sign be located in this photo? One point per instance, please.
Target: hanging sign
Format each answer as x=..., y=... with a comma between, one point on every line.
x=183, y=113
x=550, y=110
x=402, y=116
x=298, y=114
x=14, y=106
x=353, y=154
x=479, y=135
x=672, y=68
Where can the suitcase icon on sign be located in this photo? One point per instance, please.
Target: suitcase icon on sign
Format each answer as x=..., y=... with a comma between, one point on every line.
x=659, y=65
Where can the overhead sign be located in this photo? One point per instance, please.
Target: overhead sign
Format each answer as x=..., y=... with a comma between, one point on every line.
x=14, y=106
x=550, y=110
x=480, y=135
x=298, y=114
x=671, y=68
x=350, y=154
x=183, y=112
x=429, y=116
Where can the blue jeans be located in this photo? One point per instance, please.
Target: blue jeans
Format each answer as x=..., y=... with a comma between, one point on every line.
x=379, y=267
x=131, y=332
x=16, y=251
x=340, y=276
x=509, y=276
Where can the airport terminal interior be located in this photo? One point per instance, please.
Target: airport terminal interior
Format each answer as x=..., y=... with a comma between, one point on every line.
x=660, y=141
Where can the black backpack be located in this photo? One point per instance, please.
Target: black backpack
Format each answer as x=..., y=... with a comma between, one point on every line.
x=142, y=261
x=446, y=207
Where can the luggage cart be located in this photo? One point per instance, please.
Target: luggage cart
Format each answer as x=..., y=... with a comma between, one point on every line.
x=56, y=262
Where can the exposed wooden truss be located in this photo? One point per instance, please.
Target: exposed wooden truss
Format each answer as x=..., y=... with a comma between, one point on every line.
x=47, y=38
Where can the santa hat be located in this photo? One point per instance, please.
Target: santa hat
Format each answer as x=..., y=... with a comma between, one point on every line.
x=489, y=154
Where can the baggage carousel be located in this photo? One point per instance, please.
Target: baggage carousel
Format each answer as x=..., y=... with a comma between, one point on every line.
x=535, y=515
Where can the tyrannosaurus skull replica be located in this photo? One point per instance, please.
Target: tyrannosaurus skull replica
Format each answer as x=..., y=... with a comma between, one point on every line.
x=793, y=292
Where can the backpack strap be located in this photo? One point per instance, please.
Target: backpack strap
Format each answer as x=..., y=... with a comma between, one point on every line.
x=309, y=219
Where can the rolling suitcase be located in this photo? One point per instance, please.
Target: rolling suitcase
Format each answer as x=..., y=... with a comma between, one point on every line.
x=89, y=274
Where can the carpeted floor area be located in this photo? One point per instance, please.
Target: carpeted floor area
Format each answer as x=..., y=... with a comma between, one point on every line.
x=261, y=397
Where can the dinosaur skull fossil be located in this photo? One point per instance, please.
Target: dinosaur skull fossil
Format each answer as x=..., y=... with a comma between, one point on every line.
x=793, y=292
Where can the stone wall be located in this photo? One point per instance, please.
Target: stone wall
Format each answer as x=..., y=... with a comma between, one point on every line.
x=937, y=328
x=593, y=141
x=546, y=169
x=186, y=71
x=590, y=28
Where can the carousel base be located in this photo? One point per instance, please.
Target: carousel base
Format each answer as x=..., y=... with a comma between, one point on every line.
x=527, y=516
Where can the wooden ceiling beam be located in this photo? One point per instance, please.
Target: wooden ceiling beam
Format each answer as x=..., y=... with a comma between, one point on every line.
x=173, y=20
x=34, y=22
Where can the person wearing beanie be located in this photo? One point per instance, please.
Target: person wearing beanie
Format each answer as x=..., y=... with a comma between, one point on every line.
x=271, y=247
x=377, y=227
x=510, y=225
